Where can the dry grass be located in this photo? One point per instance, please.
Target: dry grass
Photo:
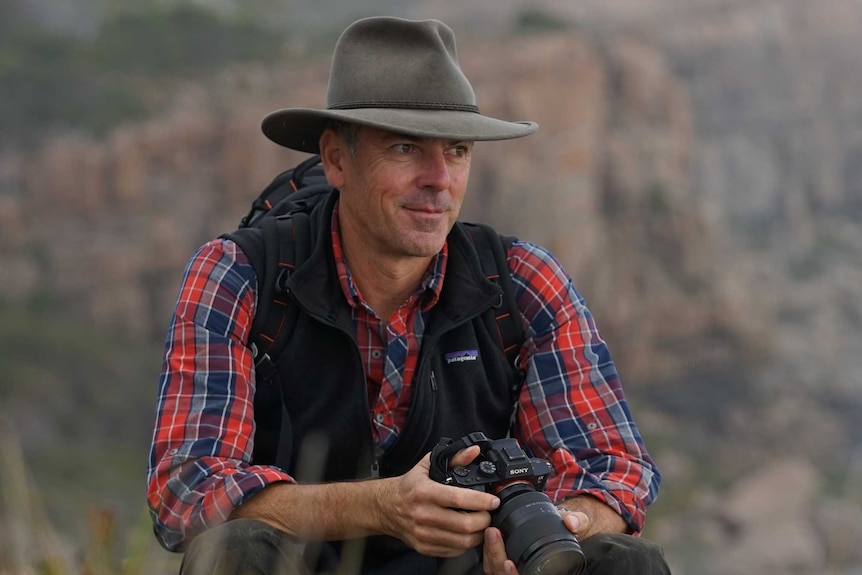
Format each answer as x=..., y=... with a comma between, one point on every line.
x=31, y=545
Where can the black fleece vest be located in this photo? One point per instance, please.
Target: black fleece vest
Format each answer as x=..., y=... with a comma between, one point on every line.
x=463, y=381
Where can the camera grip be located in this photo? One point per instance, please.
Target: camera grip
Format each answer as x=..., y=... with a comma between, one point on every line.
x=446, y=448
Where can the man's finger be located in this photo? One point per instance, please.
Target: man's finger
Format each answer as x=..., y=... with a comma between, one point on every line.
x=465, y=456
x=576, y=521
x=494, y=560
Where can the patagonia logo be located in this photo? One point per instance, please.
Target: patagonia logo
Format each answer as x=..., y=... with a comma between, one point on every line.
x=462, y=356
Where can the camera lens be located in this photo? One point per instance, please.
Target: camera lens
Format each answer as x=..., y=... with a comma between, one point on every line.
x=536, y=538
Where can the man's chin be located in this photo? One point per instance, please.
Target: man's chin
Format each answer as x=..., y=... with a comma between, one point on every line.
x=423, y=243
x=424, y=247
x=423, y=252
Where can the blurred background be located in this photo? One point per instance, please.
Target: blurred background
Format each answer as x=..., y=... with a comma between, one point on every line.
x=698, y=170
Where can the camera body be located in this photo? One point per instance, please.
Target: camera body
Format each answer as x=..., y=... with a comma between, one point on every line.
x=536, y=539
x=499, y=461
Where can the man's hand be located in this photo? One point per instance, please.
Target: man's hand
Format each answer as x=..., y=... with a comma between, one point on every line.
x=432, y=518
x=584, y=516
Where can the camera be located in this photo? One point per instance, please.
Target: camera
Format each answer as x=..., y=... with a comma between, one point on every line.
x=536, y=539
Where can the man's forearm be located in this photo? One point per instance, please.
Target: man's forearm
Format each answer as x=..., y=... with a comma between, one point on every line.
x=321, y=512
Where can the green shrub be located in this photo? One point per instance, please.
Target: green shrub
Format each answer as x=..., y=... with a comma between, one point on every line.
x=178, y=39
x=50, y=81
x=536, y=21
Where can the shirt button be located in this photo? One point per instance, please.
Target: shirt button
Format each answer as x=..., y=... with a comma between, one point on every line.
x=380, y=418
x=376, y=354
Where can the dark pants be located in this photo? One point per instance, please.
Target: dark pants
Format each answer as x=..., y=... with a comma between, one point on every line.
x=249, y=547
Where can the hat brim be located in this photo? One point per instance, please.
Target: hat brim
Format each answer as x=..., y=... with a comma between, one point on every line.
x=300, y=128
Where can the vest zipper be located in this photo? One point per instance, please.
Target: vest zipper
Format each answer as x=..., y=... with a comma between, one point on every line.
x=375, y=465
x=433, y=381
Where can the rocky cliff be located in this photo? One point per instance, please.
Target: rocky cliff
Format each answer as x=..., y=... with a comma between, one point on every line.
x=108, y=224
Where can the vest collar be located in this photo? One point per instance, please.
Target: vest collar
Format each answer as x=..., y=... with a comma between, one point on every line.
x=466, y=291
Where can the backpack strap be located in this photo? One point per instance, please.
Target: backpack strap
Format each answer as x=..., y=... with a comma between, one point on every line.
x=275, y=236
x=275, y=249
x=493, y=250
x=287, y=240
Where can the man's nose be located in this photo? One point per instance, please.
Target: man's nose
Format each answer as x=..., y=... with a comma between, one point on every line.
x=435, y=170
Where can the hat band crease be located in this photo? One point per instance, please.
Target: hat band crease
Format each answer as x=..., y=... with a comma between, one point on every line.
x=404, y=105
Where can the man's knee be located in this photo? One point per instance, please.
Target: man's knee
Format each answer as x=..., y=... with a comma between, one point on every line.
x=621, y=554
x=243, y=547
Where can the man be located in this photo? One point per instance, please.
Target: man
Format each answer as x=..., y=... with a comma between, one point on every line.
x=392, y=285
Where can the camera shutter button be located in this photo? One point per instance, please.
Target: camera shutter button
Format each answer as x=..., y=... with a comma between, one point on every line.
x=461, y=471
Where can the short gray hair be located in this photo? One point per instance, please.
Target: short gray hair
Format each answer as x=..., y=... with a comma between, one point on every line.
x=348, y=132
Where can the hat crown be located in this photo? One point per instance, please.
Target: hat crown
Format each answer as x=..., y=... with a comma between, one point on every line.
x=397, y=63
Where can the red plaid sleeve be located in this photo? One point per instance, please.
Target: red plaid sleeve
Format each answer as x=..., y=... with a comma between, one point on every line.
x=572, y=409
x=199, y=467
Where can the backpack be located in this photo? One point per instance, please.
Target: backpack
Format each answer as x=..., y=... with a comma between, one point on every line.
x=281, y=212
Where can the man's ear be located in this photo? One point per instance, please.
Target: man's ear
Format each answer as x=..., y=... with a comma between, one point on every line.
x=332, y=153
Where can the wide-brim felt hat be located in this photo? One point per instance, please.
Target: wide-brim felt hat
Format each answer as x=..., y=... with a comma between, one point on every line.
x=398, y=75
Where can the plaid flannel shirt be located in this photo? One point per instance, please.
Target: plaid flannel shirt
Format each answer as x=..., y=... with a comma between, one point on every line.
x=572, y=410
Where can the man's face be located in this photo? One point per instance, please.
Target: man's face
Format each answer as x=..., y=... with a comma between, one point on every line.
x=400, y=195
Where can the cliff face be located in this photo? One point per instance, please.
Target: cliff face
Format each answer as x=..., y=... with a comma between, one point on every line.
x=107, y=225
x=606, y=185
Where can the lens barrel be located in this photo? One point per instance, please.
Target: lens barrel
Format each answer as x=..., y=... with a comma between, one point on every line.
x=536, y=539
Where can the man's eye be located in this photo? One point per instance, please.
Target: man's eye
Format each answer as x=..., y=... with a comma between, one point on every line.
x=460, y=151
x=403, y=148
